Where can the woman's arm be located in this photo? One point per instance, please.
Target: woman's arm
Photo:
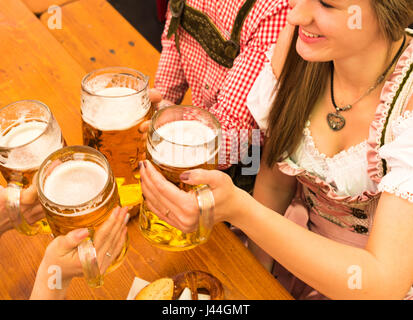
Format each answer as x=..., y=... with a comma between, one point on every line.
x=274, y=190
x=383, y=270
x=61, y=261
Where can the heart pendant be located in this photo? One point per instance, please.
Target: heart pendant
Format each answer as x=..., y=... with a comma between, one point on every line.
x=336, y=121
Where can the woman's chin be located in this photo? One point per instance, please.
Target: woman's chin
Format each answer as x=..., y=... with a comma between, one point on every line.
x=311, y=54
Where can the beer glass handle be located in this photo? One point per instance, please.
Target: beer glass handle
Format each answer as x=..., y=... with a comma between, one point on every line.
x=13, y=193
x=206, y=204
x=89, y=261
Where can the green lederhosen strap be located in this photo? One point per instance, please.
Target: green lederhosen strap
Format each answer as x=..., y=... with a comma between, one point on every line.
x=203, y=30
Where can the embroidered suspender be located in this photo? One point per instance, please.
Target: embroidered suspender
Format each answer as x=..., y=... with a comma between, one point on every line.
x=203, y=30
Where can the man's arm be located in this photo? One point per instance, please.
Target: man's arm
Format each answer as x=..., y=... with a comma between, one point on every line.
x=170, y=78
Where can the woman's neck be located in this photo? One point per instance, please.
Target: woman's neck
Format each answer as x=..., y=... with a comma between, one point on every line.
x=358, y=73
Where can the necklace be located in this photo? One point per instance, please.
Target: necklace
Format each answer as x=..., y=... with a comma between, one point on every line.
x=334, y=119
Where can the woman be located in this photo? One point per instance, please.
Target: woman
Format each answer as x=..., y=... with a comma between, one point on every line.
x=62, y=251
x=343, y=169
x=31, y=208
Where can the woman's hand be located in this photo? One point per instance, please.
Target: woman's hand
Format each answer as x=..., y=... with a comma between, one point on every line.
x=179, y=208
x=62, y=253
x=30, y=208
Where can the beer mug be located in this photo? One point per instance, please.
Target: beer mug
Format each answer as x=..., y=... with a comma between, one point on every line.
x=115, y=101
x=77, y=190
x=180, y=138
x=28, y=134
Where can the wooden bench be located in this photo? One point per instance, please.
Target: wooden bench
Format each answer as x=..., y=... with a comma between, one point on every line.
x=40, y=6
x=97, y=36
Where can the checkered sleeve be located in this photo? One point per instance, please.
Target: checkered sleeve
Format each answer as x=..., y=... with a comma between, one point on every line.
x=170, y=78
x=231, y=108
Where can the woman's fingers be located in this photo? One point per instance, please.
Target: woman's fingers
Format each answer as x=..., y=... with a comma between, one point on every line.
x=107, y=235
x=119, y=241
x=114, y=250
x=151, y=199
x=162, y=185
x=178, y=205
x=109, y=230
x=213, y=178
x=33, y=213
x=69, y=242
x=29, y=196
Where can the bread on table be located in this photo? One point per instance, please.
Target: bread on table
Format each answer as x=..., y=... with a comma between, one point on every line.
x=184, y=286
x=161, y=289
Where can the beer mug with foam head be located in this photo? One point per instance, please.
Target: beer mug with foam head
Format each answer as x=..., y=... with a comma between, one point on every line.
x=115, y=102
x=28, y=134
x=77, y=190
x=180, y=138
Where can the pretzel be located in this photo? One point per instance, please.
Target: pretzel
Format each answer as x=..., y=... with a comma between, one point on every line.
x=195, y=280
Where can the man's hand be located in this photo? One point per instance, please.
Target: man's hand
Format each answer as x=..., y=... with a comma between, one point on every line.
x=157, y=103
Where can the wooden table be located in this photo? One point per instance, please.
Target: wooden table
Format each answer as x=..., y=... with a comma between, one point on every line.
x=40, y=6
x=34, y=65
x=97, y=36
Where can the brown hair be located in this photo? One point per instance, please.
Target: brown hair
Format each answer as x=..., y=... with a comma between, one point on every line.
x=302, y=83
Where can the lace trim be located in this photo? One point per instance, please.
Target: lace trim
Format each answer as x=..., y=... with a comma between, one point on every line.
x=401, y=122
x=338, y=156
x=394, y=87
x=396, y=191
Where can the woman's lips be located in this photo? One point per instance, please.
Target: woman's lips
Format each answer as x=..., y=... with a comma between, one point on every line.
x=309, y=37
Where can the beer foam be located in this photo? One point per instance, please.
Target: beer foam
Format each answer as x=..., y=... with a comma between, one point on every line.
x=116, y=92
x=184, y=145
x=29, y=156
x=75, y=182
x=22, y=134
x=115, y=108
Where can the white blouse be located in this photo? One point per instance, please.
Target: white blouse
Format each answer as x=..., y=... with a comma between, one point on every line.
x=346, y=171
x=399, y=157
x=262, y=94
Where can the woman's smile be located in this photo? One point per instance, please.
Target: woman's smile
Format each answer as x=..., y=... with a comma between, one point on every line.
x=309, y=37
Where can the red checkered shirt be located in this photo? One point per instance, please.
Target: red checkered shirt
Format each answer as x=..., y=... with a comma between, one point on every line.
x=220, y=90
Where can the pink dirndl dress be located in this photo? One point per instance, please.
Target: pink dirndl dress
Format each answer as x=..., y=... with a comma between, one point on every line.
x=326, y=201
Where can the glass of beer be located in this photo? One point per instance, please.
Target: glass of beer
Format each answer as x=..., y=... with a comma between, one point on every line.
x=115, y=102
x=77, y=190
x=180, y=138
x=28, y=134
